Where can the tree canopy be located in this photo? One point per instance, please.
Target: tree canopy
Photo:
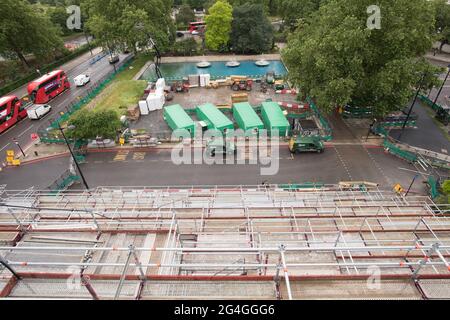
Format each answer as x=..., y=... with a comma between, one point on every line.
x=334, y=57
x=443, y=22
x=251, y=31
x=293, y=10
x=92, y=124
x=218, y=23
x=26, y=31
x=130, y=22
x=185, y=15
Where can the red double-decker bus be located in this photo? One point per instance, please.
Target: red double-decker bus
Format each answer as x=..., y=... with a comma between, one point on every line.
x=12, y=110
x=47, y=87
x=196, y=26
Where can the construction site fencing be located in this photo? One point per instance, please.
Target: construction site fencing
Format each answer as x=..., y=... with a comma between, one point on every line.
x=64, y=181
x=328, y=132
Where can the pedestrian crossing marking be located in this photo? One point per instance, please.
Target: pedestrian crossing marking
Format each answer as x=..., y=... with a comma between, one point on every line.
x=121, y=155
x=139, y=155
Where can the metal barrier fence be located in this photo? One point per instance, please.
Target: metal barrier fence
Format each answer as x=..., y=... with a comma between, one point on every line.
x=324, y=123
x=64, y=181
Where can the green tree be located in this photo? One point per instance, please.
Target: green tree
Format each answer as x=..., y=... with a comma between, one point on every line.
x=334, y=57
x=293, y=10
x=91, y=124
x=26, y=31
x=251, y=31
x=218, y=23
x=185, y=47
x=442, y=22
x=185, y=15
x=197, y=4
x=130, y=22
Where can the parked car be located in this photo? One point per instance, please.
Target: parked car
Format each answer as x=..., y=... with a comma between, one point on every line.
x=114, y=59
x=81, y=80
x=180, y=34
x=38, y=111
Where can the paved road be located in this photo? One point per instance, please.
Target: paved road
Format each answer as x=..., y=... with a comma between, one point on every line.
x=23, y=129
x=427, y=135
x=155, y=168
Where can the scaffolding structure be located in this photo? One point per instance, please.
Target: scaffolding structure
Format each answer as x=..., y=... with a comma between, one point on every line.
x=256, y=242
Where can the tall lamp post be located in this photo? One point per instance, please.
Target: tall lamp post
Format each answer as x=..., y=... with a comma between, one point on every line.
x=412, y=106
x=71, y=152
x=140, y=27
x=442, y=87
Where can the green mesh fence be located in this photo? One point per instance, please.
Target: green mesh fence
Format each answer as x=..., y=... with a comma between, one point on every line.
x=393, y=149
x=325, y=125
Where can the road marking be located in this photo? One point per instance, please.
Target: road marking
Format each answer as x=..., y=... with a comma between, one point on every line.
x=388, y=180
x=4, y=147
x=344, y=164
x=139, y=156
x=121, y=155
x=25, y=131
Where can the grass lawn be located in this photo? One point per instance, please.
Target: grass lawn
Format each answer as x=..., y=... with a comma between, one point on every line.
x=120, y=95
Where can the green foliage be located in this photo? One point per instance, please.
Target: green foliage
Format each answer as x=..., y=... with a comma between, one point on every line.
x=24, y=30
x=293, y=10
x=333, y=56
x=185, y=15
x=92, y=124
x=442, y=21
x=251, y=31
x=446, y=187
x=197, y=4
x=185, y=47
x=218, y=23
x=130, y=23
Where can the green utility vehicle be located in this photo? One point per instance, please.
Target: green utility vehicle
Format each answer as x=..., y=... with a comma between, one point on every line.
x=305, y=144
x=220, y=147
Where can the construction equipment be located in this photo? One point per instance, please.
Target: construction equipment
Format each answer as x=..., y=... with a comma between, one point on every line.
x=181, y=87
x=242, y=85
x=270, y=77
x=220, y=147
x=279, y=85
x=239, y=97
x=305, y=144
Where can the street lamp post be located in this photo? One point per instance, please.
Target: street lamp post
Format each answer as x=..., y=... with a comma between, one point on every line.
x=71, y=153
x=443, y=84
x=412, y=106
x=18, y=145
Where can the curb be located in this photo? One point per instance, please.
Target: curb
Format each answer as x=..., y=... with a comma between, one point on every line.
x=54, y=156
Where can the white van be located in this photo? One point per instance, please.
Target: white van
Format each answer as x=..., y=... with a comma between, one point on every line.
x=81, y=80
x=38, y=111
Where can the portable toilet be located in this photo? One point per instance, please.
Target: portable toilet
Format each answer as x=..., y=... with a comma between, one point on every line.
x=213, y=117
x=178, y=119
x=274, y=118
x=246, y=118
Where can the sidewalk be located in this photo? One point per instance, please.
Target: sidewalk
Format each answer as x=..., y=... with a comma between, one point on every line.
x=22, y=91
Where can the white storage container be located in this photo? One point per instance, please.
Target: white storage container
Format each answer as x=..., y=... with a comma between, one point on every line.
x=143, y=107
x=202, y=80
x=207, y=79
x=160, y=84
